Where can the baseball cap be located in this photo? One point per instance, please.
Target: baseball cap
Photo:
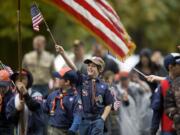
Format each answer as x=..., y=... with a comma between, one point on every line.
x=67, y=74
x=171, y=59
x=4, y=78
x=96, y=60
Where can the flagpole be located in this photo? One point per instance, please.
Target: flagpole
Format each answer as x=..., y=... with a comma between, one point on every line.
x=47, y=27
x=19, y=39
x=21, y=120
x=135, y=69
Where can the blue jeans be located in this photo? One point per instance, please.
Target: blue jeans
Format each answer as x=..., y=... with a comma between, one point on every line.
x=43, y=89
x=168, y=133
x=89, y=127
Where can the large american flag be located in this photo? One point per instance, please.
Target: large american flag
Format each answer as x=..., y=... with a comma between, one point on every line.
x=37, y=17
x=100, y=19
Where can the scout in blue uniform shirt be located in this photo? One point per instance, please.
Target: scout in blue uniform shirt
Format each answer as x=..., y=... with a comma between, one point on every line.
x=6, y=127
x=27, y=106
x=64, y=106
x=96, y=97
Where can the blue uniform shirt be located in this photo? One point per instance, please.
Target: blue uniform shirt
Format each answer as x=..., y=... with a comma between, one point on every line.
x=103, y=96
x=68, y=117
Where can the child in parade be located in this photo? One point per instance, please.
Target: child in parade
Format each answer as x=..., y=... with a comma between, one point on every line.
x=6, y=127
x=64, y=106
x=95, y=94
x=24, y=109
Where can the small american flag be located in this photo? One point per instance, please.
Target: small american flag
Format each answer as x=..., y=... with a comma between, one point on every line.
x=37, y=17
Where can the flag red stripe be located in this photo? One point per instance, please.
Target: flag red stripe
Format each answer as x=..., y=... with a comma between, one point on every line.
x=88, y=24
x=37, y=16
x=37, y=22
x=97, y=15
x=108, y=8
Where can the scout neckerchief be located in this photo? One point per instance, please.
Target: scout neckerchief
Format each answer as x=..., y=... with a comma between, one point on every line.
x=60, y=97
x=93, y=99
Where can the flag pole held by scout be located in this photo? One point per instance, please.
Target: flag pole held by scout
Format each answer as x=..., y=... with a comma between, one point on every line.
x=21, y=128
x=19, y=39
x=37, y=18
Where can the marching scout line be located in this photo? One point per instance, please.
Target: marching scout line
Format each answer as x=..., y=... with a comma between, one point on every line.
x=67, y=111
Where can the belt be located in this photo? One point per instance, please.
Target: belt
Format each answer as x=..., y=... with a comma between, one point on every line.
x=92, y=118
x=63, y=127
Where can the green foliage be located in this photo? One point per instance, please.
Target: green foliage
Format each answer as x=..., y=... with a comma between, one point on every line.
x=151, y=23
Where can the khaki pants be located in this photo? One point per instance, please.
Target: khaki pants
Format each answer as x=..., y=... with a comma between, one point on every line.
x=56, y=131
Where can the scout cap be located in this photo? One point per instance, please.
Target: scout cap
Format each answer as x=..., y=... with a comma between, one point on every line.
x=96, y=60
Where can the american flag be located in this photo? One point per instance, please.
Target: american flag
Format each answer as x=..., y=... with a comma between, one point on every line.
x=100, y=19
x=37, y=17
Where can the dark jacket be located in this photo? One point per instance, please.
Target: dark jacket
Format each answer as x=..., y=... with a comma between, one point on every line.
x=36, y=117
x=6, y=127
x=158, y=109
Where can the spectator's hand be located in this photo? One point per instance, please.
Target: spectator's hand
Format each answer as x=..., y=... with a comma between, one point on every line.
x=59, y=49
x=71, y=133
x=154, y=78
x=21, y=87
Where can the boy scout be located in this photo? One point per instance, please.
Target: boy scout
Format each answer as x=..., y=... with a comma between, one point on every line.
x=96, y=97
x=33, y=118
x=6, y=127
x=64, y=105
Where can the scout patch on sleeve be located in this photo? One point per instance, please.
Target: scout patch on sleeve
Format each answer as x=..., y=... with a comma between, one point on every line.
x=100, y=99
x=102, y=86
x=84, y=93
x=79, y=101
x=71, y=99
x=80, y=104
x=156, y=90
x=80, y=107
